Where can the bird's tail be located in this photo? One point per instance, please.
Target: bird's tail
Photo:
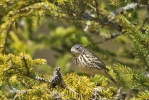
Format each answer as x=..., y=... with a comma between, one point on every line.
x=104, y=73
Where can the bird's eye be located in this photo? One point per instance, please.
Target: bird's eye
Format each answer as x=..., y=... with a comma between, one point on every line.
x=77, y=48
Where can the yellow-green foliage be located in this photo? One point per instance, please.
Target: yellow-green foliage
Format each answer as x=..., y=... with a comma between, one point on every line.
x=22, y=64
x=130, y=77
x=114, y=2
x=143, y=95
x=139, y=39
x=80, y=84
x=18, y=73
x=23, y=20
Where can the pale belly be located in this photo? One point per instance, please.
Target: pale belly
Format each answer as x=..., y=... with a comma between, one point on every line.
x=90, y=71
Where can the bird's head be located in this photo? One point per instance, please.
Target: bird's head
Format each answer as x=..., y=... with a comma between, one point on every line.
x=77, y=49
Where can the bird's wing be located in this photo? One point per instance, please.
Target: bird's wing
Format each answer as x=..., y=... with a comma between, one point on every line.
x=96, y=60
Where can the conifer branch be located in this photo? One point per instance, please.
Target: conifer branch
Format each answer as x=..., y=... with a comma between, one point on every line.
x=56, y=80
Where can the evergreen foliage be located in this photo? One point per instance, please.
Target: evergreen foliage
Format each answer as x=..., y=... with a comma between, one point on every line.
x=30, y=26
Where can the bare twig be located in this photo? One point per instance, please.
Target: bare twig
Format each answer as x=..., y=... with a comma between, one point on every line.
x=112, y=37
x=128, y=7
x=14, y=90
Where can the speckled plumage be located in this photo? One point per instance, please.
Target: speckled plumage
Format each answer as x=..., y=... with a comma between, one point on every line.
x=88, y=62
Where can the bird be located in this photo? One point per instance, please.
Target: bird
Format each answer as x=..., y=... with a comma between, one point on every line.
x=88, y=62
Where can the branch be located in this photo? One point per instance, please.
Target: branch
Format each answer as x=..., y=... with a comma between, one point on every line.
x=128, y=7
x=14, y=90
x=97, y=9
x=117, y=26
x=26, y=66
x=56, y=80
x=112, y=37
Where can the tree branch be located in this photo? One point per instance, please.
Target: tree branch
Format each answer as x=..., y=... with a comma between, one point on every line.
x=112, y=37
x=26, y=66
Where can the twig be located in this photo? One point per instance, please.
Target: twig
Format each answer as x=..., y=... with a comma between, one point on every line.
x=112, y=37
x=14, y=90
x=25, y=85
x=104, y=21
x=5, y=38
x=128, y=7
x=56, y=80
x=116, y=26
x=26, y=66
x=97, y=9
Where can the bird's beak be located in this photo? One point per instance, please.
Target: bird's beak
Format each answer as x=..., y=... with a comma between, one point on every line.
x=72, y=53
